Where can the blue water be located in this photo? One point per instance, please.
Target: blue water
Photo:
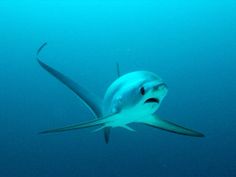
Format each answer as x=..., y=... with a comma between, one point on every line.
x=190, y=44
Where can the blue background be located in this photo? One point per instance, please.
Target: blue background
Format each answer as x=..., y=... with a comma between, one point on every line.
x=190, y=44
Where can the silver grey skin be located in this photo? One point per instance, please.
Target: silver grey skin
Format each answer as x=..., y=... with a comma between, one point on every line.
x=132, y=98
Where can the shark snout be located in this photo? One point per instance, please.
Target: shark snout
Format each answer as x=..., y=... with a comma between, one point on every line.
x=157, y=93
x=160, y=86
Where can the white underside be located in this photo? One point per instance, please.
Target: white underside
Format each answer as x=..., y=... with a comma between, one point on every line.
x=133, y=115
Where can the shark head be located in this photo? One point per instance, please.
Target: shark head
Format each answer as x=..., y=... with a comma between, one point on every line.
x=141, y=92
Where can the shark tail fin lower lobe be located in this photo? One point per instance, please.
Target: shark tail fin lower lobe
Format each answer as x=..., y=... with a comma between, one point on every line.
x=107, y=132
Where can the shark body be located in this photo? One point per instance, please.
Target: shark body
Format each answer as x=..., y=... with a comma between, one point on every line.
x=132, y=98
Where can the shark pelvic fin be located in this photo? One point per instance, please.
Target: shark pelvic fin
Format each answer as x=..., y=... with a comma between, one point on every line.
x=92, y=123
x=156, y=122
x=128, y=128
x=99, y=129
x=106, y=132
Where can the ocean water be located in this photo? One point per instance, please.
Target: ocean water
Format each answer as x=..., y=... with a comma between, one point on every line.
x=191, y=45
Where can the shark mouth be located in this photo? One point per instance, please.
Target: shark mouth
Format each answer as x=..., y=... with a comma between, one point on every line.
x=152, y=100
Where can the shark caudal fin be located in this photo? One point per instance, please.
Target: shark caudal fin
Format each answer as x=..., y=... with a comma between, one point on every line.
x=156, y=122
x=89, y=99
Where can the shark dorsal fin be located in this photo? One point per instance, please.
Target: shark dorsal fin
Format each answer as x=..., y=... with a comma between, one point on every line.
x=118, y=69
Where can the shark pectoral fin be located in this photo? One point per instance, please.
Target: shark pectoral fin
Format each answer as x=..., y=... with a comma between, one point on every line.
x=156, y=122
x=87, y=124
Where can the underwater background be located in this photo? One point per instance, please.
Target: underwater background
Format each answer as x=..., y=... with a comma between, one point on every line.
x=190, y=44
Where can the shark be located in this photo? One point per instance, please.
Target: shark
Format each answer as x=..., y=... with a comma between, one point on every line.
x=132, y=98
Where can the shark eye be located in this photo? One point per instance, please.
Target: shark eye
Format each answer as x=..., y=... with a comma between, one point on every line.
x=142, y=91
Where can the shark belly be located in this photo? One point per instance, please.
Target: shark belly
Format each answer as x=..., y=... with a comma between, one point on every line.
x=128, y=116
